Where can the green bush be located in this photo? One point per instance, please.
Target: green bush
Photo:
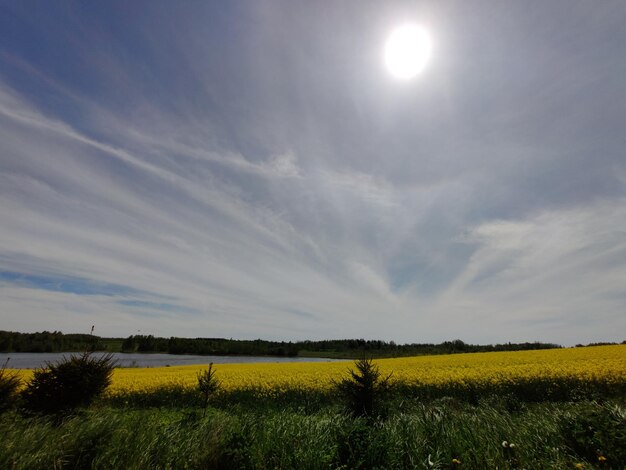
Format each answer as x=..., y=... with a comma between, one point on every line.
x=364, y=390
x=71, y=383
x=9, y=384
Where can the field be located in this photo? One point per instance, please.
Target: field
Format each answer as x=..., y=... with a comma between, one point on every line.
x=561, y=408
x=602, y=364
x=600, y=367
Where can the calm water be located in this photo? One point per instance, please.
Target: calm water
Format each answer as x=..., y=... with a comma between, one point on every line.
x=34, y=360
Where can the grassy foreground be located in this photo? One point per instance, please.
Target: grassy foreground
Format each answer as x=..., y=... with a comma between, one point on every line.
x=441, y=434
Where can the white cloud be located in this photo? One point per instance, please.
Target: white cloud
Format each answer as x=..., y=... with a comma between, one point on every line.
x=557, y=274
x=240, y=263
x=351, y=224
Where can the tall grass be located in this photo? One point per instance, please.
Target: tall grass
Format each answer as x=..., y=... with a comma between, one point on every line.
x=442, y=432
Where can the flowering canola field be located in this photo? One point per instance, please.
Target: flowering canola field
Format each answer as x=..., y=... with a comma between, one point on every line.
x=599, y=364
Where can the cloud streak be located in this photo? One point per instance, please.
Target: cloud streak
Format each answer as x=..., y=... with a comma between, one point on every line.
x=264, y=191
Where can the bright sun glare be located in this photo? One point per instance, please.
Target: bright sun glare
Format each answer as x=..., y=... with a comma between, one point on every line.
x=407, y=51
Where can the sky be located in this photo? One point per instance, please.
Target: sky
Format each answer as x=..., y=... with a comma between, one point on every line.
x=250, y=169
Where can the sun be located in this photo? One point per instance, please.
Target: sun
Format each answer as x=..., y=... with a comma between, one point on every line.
x=407, y=51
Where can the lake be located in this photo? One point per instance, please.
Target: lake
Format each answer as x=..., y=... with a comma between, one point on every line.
x=34, y=360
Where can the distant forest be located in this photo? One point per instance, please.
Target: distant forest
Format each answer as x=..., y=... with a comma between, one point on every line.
x=49, y=342
x=341, y=348
x=344, y=348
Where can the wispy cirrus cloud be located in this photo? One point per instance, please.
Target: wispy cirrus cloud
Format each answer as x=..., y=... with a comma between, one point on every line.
x=557, y=274
x=288, y=189
x=222, y=253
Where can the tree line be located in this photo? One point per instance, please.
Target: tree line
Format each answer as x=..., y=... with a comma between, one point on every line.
x=47, y=341
x=209, y=346
x=347, y=348
x=341, y=348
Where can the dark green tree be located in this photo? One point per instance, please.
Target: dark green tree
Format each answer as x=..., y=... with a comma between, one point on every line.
x=364, y=389
x=207, y=385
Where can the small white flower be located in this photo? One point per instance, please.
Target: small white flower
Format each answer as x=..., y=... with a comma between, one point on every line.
x=505, y=444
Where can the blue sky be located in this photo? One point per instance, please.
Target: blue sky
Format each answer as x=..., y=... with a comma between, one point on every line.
x=251, y=170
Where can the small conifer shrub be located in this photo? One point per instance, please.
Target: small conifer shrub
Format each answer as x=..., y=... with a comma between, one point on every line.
x=68, y=384
x=207, y=385
x=364, y=389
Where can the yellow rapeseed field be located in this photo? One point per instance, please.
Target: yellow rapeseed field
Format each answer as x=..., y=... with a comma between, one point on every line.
x=603, y=364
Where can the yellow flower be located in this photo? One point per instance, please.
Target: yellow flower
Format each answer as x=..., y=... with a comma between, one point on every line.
x=602, y=458
x=456, y=461
x=600, y=364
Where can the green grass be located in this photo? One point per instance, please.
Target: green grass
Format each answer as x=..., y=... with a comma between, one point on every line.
x=545, y=435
